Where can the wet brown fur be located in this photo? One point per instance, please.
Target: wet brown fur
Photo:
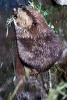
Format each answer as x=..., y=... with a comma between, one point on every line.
x=38, y=46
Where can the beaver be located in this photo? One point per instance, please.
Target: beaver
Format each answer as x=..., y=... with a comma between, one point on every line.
x=38, y=45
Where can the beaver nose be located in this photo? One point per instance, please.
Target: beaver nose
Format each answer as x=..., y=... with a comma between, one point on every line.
x=15, y=12
x=14, y=9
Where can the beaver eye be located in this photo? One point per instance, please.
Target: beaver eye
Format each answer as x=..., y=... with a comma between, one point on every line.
x=34, y=23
